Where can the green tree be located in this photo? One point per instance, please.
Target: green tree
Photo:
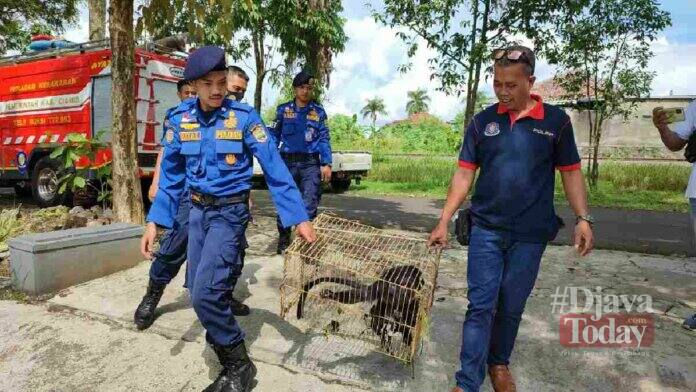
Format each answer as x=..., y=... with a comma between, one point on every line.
x=373, y=108
x=482, y=101
x=602, y=55
x=259, y=29
x=463, y=33
x=417, y=101
x=420, y=134
x=19, y=18
x=346, y=134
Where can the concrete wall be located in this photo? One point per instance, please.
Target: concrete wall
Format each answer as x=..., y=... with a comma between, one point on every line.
x=48, y=262
x=638, y=131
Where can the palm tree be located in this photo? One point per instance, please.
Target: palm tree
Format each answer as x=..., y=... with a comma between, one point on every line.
x=372, y=108
x=417, y=101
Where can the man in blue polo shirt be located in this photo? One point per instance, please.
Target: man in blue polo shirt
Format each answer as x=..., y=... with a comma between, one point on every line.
x=516, y=144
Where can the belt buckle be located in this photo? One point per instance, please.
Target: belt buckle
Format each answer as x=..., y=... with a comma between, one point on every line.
x=196, y=197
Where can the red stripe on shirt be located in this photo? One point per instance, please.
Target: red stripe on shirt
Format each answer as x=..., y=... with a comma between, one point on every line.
x=467, y=165
x=575, y=166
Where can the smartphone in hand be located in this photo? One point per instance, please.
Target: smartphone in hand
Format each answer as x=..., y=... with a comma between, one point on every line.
x=675, y=115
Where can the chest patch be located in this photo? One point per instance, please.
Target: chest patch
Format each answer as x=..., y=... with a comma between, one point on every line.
x=542, y=132
x=313, y=115
x=189, y=126
x=289, y=113
x=190, y=136
x=492, y=129
x=231, y=121
x=228, y=134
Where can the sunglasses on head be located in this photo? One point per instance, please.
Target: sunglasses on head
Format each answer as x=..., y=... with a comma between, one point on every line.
x=511, y=55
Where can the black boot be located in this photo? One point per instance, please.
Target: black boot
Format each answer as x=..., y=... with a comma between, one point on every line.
x=145, y=313
x=283, y=240
x=238, y=308
x=237, y=370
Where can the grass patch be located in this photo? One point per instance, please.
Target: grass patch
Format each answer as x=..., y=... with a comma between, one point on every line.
x=8, y=294
x=654, y=186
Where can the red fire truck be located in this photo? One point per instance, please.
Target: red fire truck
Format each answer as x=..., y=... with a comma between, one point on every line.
x=46, y=95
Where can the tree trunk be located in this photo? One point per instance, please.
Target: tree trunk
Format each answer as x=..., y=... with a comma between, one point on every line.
x=97, y=19
x=594, y=174
x=470, y=92
x=128, y=204
x=471, y=108
x=257, y=38
x=319, y=54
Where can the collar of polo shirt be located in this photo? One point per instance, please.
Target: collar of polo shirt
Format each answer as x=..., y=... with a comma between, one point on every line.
x=537, y=112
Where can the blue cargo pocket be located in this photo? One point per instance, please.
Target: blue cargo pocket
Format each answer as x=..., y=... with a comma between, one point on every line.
x=228, y=153
x=192, y=152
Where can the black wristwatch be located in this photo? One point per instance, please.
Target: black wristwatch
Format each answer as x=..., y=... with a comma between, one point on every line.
x=587, y=218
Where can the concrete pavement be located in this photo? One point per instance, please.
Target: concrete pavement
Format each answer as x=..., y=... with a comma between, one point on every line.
x=83, y=339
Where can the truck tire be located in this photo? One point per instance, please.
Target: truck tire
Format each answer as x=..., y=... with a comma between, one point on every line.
x=340, y=185
x=44, y=183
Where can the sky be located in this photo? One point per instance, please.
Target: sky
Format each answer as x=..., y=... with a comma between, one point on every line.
x=368, y=66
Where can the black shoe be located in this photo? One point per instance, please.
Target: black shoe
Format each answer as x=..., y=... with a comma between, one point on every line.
x=284, y=241
x=238, y=308
x=145, y=313
x=690, y=323
x=237, y=370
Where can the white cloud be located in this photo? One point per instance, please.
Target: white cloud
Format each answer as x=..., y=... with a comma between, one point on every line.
x=675, y=68
x=368, y=68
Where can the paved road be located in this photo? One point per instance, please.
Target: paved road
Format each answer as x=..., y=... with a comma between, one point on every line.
x=665, y=233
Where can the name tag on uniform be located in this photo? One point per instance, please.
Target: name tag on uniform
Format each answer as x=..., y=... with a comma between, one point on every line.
x=189, y=125
x=228, y=134
x=190, y=136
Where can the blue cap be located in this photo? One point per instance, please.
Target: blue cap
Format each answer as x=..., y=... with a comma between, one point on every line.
x=203, y=60
x=302, y=78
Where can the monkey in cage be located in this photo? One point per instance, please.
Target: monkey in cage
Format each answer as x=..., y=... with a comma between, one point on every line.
x=394, y=296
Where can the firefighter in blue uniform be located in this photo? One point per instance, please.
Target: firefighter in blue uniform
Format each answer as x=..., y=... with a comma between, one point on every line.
x=172, y=251
x=304, y=143
x=209, y=147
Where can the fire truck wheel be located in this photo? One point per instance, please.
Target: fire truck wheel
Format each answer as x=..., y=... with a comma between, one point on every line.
x=44, y=183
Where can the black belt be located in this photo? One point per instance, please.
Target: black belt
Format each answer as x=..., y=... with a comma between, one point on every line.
x=211, y=201
x=300, y=157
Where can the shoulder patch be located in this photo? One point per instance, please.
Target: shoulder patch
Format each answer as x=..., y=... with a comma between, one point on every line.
x=259, y=133
x=169, y=135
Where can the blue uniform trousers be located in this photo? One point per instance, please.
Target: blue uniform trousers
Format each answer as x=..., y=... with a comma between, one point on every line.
x=172, y=251
x=173, y=246
x=215, y=253
x=307, y=176
x=501, y=273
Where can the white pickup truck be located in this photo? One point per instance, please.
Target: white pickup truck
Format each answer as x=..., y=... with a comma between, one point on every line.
x=347, y=166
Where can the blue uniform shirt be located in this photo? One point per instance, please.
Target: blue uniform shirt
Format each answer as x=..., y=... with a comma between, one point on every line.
x=214, y=157
x=517, y=157
x=303, y=130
